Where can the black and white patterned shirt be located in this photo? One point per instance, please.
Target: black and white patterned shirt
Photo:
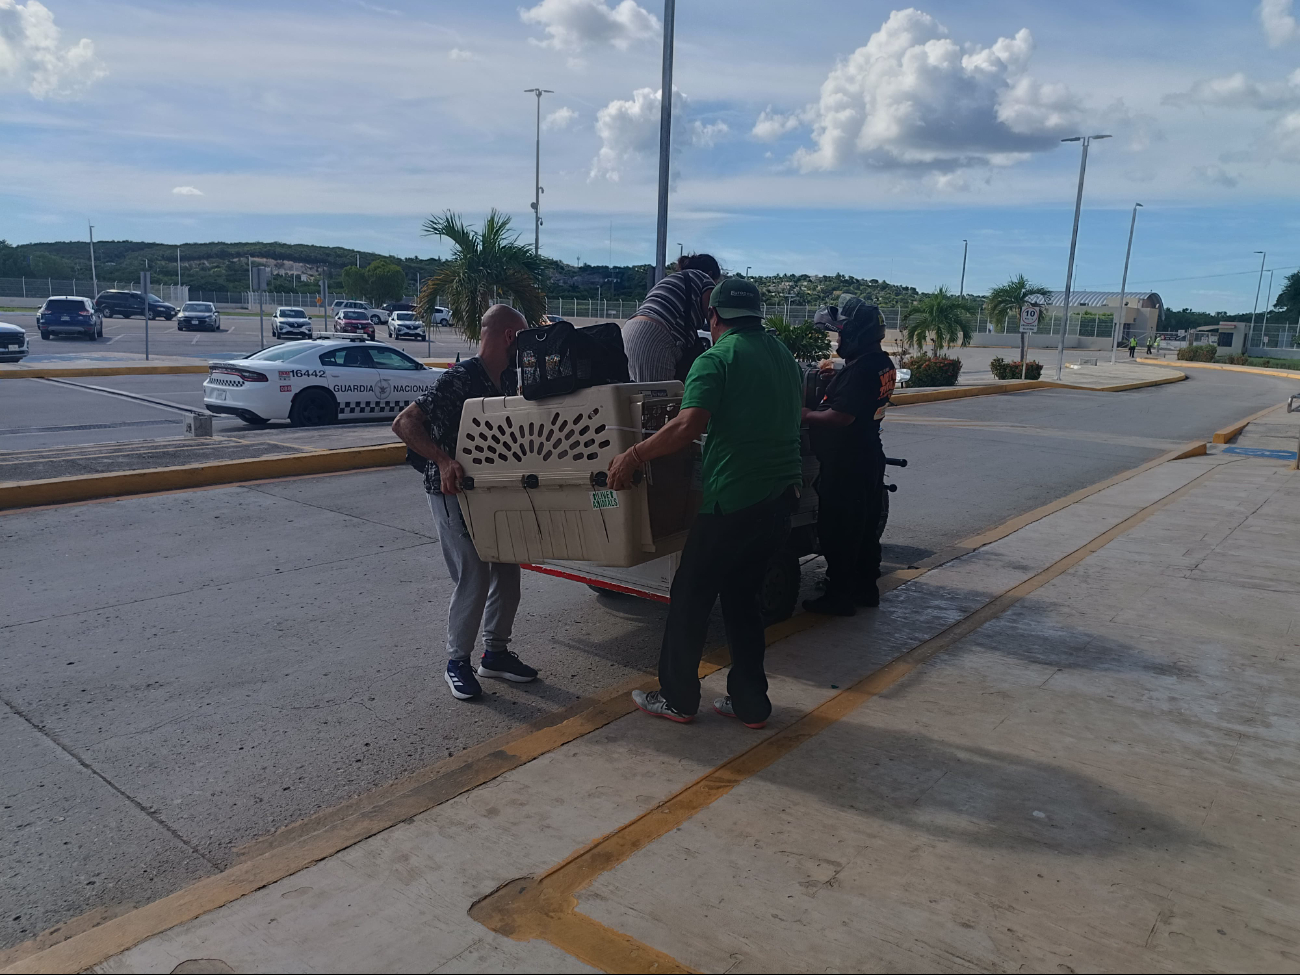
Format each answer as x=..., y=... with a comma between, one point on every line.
x=443, y=402
x=675, y=302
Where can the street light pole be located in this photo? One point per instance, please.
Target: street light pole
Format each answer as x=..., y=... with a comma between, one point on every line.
x=537, y=170
x=94, y=281
x=665, y=140
x=1263, y=326
x=1074, y=239
x=1116, y=331
x=1263, y=256
x=965, y=246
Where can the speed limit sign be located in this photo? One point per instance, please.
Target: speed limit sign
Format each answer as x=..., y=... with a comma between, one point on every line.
x=1029, y=318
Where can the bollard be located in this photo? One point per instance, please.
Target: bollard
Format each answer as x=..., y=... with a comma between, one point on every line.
x=198, y=425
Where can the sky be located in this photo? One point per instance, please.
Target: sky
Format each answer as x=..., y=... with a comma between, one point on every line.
x=815, y=137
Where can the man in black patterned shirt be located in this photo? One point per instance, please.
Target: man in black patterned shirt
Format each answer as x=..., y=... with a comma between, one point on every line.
x=486, y=592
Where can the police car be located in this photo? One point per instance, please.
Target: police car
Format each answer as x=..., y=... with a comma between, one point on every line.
x=328, y=379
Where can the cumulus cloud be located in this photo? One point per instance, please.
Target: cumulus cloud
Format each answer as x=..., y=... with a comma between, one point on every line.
x=913, y=98
x=1238, y=91
x=706, y=136
x=772, y=125
x=1278, y=22
x=32, y=58
x=575, y=25
x=187, y=191
x=458, y=54
x=629, y=129
x=561, y=118
x=1215, y=176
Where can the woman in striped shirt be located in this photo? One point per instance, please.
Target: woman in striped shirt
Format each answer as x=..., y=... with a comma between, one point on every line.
x=662, y=338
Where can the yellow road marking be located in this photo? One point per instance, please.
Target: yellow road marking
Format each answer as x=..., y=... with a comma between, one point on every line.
x=546, y=907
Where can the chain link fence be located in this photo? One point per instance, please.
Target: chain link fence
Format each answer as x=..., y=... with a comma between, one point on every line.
x=1085, y=323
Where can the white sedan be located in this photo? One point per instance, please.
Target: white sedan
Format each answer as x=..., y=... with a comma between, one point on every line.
x=317, y=382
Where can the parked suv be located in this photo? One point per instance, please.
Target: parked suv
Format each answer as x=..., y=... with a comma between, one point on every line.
x=377, y=316
x=291, y=323
x=69, y=315
x=13, y=342
x=128, y=304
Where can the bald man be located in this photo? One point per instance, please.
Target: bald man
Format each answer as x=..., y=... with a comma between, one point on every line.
x=486, y=593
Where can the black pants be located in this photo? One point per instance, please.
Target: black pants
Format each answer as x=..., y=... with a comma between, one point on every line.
x=727, y=556
x=848, y=511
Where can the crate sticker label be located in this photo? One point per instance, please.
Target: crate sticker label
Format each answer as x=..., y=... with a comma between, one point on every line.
x=604, y=499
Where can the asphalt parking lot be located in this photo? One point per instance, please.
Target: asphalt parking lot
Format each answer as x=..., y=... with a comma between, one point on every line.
x=240, y=335
x=184, y=673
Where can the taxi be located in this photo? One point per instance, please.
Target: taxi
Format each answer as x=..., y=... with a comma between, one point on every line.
x=328, y=379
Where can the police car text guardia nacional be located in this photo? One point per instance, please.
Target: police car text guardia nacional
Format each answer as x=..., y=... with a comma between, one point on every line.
x=324, y=380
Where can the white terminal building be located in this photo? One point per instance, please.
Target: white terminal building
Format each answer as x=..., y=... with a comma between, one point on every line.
x=1142, y=309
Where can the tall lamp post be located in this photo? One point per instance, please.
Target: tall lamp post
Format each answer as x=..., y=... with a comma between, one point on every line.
x=965, y=246
x=1074, y=239
x=665, y=140
x=1117, y=331
x=94, y=281
x=537, y=169
x=1263, y=256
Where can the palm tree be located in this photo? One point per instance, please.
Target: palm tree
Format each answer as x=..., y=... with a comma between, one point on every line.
x=1012, y=297
x=486, y=265
x=938, y=318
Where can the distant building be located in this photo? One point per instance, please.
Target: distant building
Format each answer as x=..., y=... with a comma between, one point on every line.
x=1142, y=309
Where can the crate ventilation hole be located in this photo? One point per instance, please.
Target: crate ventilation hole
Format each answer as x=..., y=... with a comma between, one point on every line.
x=562, y=438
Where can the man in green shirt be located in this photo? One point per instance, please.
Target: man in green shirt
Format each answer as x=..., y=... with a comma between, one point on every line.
x=746, y=392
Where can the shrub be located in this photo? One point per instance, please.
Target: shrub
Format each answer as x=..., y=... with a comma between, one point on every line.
x=805, y=342
x=1198, y=353
x=932, y=370
x=1002, y=369
x=1272, y=363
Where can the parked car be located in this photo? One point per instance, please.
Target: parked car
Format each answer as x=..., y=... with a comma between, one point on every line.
x=393, y=306
x=354, y=320
x=69, y=315
x=404, y=325
x=13, y=343
x=441, y=316
x=128, y=304
x=377, y=316
x=199, y=314
x=291, y=323
x=327, y=380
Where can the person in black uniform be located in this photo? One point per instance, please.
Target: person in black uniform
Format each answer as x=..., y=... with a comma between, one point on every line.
x=845, y=432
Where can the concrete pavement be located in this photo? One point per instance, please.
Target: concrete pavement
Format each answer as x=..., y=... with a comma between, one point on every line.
x=276, y=590
x=1071, y=749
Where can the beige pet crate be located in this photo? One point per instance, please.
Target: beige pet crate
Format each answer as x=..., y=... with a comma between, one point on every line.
x=538, y=473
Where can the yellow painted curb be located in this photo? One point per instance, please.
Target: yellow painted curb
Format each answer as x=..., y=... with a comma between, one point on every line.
x=56, y=372
x=62, y=490
x=1227, y=433
x=905, y=398
x=1257, y=370
x=1122, y=387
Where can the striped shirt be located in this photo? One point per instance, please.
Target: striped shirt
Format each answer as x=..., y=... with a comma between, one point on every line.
x=675, y=302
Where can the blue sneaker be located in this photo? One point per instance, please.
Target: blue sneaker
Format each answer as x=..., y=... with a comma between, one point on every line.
x=504, y=663
x=460, y=678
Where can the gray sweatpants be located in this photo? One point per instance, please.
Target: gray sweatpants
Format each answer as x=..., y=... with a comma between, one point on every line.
x=485, y=591
x=651, y=353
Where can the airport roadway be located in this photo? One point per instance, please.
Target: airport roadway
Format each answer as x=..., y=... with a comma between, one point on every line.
x=184, y=673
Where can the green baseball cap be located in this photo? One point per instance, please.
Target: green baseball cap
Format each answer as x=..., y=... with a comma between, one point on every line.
x=736, y=298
